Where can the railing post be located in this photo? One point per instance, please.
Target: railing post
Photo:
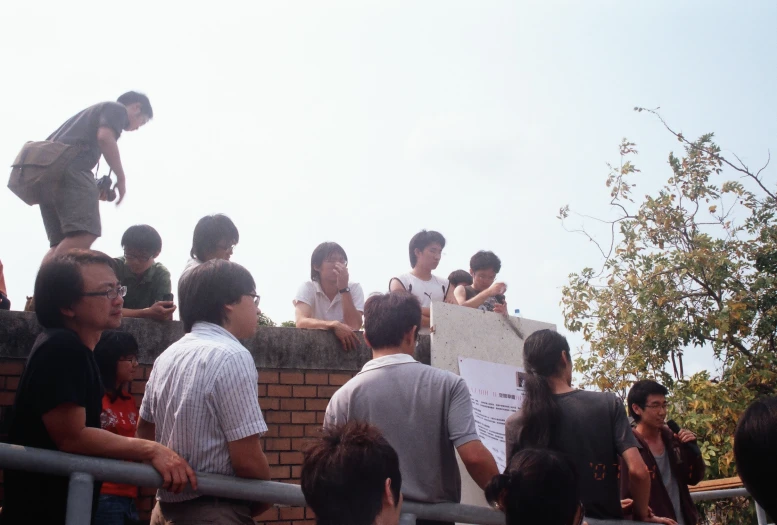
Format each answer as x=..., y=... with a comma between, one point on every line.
x=79, y=499
x=407, y=519
x=760, y=513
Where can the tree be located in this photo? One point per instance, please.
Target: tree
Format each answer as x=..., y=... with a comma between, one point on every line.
x=690, y=269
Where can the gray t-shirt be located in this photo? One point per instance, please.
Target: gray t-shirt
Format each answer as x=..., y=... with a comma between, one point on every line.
x=82, y=130
x=423, y=412
x=670, y=483
x=592, y=431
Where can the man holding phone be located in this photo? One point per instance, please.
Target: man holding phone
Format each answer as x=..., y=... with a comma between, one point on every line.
x=483, y=294
x=148, y=282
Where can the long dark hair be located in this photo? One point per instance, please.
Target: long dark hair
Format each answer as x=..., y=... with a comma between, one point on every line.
x=114, y=345
x=538, y=486
x=540, y=413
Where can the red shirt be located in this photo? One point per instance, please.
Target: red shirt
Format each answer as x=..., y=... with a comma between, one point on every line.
x=119, y=417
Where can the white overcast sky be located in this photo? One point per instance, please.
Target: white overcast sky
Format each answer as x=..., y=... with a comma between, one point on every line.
x=363, y=122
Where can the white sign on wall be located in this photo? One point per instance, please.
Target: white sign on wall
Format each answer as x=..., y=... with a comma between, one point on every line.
x=497, y=392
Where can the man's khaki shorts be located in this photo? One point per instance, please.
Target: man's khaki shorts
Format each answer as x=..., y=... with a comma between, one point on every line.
x=72, y=207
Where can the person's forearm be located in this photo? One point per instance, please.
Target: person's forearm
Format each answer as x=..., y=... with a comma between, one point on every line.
x=639, y=487
x=351, y=315
x=98, y=442
x=482, y=470
x=110, y=150
x=476, y=301
x=426, y=320
x=314, y=324
x=131, y=312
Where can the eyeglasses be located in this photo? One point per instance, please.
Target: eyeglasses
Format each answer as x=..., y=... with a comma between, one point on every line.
x=335, y=261
x=256, y=298
x=656, y=406
x=140, y=257
x=226, y=247
x=113, y=293
x=130, y=359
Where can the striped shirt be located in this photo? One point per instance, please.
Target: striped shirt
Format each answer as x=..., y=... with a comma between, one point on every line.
x=202, y=394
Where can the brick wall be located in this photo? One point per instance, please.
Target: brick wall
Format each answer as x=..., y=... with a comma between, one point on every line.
x=293, y=404
x=299, y=370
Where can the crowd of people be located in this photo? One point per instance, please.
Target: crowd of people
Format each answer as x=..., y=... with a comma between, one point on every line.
x=391, y=433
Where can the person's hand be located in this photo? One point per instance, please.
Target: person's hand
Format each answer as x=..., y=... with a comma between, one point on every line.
x=497, y=289
x=161, y=311
x=341, y=271
x=346, y=335
x=175, y=471
x=627, y=505
x=121, y=189
x=501, y=308
x=685, y=436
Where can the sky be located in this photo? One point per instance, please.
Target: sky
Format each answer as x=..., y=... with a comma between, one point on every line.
x=364, y=122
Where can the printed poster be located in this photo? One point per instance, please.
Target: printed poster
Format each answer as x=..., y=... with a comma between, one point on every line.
x=497, y=392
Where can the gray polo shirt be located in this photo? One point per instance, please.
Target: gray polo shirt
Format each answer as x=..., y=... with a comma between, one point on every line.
x=425, y=413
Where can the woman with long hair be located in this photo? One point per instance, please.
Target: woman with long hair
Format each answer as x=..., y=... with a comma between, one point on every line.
x=590, y=428
x=117, y=357
x=538, y=486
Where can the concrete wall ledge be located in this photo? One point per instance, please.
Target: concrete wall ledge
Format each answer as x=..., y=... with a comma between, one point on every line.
x=271, y=347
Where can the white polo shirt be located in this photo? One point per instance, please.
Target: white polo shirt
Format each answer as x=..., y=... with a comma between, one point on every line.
x=312, y=295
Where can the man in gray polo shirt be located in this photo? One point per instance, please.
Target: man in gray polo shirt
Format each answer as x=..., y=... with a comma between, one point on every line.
x=424, y=413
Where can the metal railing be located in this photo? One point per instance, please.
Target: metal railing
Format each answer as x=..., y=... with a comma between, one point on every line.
x=84, y=470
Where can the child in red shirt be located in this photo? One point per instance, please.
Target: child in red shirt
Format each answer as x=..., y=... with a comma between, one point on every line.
x=117, y=357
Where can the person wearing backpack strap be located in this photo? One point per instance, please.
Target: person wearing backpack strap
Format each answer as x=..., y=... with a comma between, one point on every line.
x=425, y=253
x=69, y=199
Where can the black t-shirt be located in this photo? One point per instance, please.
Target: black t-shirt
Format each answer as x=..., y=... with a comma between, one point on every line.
x=60, y=370
x=593, y=431
x=82, y=130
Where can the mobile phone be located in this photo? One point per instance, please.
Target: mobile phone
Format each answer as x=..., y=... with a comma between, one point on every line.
x=167, y=297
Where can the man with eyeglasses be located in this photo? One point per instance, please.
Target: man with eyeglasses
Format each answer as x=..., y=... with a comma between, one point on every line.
x=330, y=301
x=147, y=281
x=672, y=463
x=59, y=398
x=202, y=397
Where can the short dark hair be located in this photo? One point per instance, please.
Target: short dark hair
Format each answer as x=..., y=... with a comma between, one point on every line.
x=484, y=260
x=204, y=291
x=388, y=317
x=538, y=486
x=322, y=251
x=458, y=277
x=344, y=472
x=209, y=232
x=421, y=240
x=132, y=97
x=113, y=345
x=755, y=441
x=639, y=393
x=59, y=284
x=142, y=237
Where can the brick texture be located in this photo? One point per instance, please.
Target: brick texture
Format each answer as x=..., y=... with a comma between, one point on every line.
x=293, y=403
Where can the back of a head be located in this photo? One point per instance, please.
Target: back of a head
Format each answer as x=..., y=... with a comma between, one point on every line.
x=204, y=291
x=542, y=353
x=389, y=317
x=421, y=240
x=344, y=472
x=60, y=284
x=209, y=231
x=143, y=238
x=113, y=345
x=484, y=260
x=539, y=486
x=755, y=442
x=133, y=97
x=460, y=277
